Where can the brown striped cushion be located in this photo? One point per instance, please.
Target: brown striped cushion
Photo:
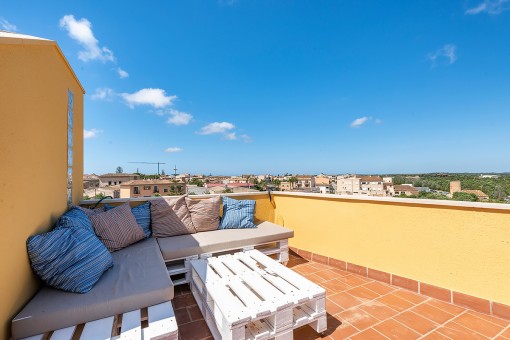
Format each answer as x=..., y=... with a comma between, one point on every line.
x=117, y=228
x=170, y=217
x=205, y=214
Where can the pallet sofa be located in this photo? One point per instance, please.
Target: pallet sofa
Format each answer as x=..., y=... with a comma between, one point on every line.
x=142, y=280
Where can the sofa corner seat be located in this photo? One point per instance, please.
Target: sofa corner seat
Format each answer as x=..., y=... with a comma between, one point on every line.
x=138, y=279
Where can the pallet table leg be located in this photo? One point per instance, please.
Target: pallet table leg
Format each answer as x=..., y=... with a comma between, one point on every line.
x=289, y=335
x=320, y=325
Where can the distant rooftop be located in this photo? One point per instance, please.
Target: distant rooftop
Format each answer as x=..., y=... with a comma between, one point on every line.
x=151, y=182
x=117, y=175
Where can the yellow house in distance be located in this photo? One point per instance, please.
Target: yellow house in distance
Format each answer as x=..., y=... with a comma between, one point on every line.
x=41, y=117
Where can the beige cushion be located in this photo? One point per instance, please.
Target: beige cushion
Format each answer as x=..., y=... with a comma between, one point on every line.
x=117, y=228
x=170, y=217
x=205, y=214
x=220, y=240
x=138, y=279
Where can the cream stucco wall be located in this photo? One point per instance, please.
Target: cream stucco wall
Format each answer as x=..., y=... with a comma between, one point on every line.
x=34, y=83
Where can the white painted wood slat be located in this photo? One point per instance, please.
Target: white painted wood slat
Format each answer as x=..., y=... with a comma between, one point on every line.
x=131, y=325
x=162, y=320
x=34, y=337
x=63, y=334
x=98, y=329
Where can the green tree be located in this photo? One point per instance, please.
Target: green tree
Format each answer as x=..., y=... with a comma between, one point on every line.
x=197, y=182
x=99, y=196
x=119, y=170
x=499, y=193
x=464, y=196
x=227, y=191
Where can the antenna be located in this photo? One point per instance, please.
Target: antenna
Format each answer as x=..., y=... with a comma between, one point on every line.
x=175, y=170
x=158, y=163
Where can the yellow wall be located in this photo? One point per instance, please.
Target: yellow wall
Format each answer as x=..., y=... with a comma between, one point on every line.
x=463, y=249
x=34, y=80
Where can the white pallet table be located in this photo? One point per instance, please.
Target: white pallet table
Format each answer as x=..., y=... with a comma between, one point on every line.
x=161, y=325
x=247, y=295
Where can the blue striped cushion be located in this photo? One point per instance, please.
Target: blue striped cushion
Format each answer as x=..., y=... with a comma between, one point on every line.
x=142, y=215
x=75, y=217
x=69, y=258
x=237, y=214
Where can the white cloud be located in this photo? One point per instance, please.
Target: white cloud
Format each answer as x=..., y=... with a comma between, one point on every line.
x=153, y=97
x=7, y=25
x=122, y=74
x=231, y=136
x=378, y=121
x=246, y=138
x=359, y=121
x=81, y=31
x=178, y=117
x=103, y=93
x=217, y=127
x=493, y=7
x=447, y=54
x=92, y=133
x=173, y=149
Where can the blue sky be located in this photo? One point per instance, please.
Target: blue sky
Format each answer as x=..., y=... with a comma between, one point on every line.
x=231, y=87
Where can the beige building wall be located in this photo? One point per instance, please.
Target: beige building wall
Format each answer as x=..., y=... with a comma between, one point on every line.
x=125, y=192
x=348, y=186
x=34, y=83
x=321, y=180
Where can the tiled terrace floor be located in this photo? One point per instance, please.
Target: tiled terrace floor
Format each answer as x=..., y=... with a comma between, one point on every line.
x=361, y=308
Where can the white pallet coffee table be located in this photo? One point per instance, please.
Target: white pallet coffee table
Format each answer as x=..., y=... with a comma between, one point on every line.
x=247, y=295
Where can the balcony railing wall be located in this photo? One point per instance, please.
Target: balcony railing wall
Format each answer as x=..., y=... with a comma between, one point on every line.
x=460, y=246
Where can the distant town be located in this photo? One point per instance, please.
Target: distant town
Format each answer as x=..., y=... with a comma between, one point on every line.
x=443, y=186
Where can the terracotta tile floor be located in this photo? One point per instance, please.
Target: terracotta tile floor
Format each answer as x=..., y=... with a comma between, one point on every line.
x=361, y=308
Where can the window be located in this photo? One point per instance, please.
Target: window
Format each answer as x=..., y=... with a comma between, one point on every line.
x=156, y=188
x=109, y=182
x=165, y=190
x=70, y=144
x=120, y=182
x=147, y=187
x=136, y=190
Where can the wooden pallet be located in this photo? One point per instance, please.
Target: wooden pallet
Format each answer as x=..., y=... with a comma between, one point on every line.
x=247, y=295
x=179, y=270
x=159, y=321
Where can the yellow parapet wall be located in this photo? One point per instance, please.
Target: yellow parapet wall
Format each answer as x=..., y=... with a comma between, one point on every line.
x=34, y=83
x=459, y=247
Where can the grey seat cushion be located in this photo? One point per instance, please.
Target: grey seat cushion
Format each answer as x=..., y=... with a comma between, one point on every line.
x=138, y=279
x=181, y=246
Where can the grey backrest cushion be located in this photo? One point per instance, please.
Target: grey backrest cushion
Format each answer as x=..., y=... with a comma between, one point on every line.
x=170, y=217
